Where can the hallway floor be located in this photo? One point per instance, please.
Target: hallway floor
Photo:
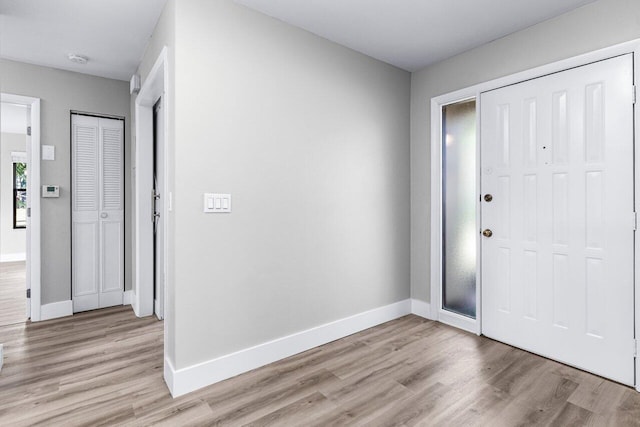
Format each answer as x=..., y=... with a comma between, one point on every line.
x=12, y=293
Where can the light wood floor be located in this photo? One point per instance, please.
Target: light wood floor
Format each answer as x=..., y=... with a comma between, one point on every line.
x=12, y=293
x=105, y=368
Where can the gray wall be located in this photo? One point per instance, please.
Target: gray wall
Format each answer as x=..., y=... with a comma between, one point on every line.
x=60, y=92
x=12, y=241
x=594, y=26
x=312, y=141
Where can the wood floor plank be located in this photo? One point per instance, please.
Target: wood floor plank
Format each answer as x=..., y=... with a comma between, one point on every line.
x=241, y=411
x=572, y=416
x=297, y=413
x=364, y=407
x=598, y=396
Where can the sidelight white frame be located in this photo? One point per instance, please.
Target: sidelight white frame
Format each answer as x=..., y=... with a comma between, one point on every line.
x=33, y=198
x=475, y=325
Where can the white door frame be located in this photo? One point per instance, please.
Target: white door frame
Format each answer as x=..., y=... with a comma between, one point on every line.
x=33, y=197
x=83, y=302
x=154, y=87
x=437, y=103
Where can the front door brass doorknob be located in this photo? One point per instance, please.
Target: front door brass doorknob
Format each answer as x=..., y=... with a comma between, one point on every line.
x=487, y=233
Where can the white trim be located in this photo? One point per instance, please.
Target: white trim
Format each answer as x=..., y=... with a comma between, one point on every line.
x=636, y=80
x=437, y=312
x=475, y=91
x=169, y=373
x=421, y=308
x=458, y=321
x=19, y=157
x=33, y=188
x=185, y=380
x=57, y=309
x=13, y=257
x=127, y=297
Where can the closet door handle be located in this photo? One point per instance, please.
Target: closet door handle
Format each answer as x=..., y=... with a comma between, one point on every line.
x=104, y=215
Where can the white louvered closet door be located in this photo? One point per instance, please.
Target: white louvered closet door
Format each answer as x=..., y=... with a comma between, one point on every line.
x=98, y=212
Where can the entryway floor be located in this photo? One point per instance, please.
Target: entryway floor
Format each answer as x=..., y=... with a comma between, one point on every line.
x=13, y=298
x=105, y=367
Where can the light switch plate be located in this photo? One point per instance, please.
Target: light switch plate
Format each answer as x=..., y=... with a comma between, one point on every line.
x=48, y=152
x=217, y=203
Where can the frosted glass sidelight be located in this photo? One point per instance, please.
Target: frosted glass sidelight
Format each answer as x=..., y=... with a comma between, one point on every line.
x=459, y=208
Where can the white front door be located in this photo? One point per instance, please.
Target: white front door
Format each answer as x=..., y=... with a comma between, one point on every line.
x=558, y=269
x=97, y=212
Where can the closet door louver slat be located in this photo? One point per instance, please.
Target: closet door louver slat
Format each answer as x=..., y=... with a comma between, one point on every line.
x=85, y=165
x=111, y=169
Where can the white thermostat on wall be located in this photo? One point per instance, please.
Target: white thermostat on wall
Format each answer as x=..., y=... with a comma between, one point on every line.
x=50, y=191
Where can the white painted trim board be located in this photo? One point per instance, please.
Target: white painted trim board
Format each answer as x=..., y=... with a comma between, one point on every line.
x=421, y=308
x=127, y=297
x=56, y=310
x=13, y=257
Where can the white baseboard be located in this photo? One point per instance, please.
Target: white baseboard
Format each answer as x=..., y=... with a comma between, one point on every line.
x=459, y=321
x=135, y=304
x=421, y=308
x=127, y=298
x=168, y=372
x=13, y=257
x=185, y=380
x=56, y=309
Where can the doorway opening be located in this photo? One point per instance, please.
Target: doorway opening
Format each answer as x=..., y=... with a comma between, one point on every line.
x=153, y=200
x=19, y=209
x=158, y=209
x=97, y=211
x=13, y=212
x=151, y=154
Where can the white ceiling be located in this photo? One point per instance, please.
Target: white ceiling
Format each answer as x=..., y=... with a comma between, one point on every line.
x=412, y=34
x=111, y=33
x=13, y=118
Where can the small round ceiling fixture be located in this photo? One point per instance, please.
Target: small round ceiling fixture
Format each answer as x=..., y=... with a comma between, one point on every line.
x=78, y=59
